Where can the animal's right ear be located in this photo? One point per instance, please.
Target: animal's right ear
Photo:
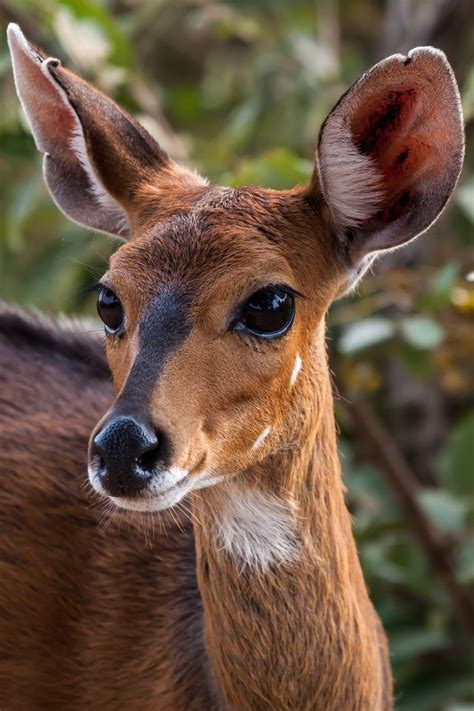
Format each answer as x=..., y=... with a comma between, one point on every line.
x=98, y=160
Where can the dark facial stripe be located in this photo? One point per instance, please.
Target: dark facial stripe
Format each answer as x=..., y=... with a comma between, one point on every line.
x=165, y=325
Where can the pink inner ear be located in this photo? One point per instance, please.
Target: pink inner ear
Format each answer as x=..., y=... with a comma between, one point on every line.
x=385, y=128
x=52, y=122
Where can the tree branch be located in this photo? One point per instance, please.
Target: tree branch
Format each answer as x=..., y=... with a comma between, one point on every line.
x=404, y=487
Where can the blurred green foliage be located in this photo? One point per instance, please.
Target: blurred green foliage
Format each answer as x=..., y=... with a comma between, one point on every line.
x=239, y=89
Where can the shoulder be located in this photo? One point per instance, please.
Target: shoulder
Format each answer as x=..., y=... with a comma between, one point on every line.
x=73, y=343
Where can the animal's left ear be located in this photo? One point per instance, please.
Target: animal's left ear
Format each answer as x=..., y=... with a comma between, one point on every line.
x=390, y=153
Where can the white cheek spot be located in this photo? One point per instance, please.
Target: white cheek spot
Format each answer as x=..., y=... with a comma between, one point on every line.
x=261, y=438
x=255, y=528
x=296, y=370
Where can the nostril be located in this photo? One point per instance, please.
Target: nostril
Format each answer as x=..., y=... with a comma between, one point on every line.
x=95, y=453
x=149, y=459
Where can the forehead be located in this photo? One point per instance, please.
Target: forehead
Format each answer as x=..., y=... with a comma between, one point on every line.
x=226, y=234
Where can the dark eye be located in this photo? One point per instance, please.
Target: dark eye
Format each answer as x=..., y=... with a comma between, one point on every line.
x=110, y=310
x=268, y=313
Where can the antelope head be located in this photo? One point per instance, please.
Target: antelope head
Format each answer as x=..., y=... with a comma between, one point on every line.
x=214, y=304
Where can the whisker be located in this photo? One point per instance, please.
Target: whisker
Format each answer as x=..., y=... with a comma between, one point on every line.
x=188, y=513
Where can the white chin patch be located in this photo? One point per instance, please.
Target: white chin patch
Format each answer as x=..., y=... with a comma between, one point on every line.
x=165, y=491
x=157, y=502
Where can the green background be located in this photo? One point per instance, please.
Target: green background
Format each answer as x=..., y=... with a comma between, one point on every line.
x=239, y=90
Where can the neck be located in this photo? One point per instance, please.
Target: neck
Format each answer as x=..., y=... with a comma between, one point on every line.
x=287, y=616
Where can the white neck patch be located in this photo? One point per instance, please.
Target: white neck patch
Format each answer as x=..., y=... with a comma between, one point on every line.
x=256, y=529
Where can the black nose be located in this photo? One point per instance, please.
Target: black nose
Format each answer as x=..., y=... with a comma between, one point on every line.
x=125, y=453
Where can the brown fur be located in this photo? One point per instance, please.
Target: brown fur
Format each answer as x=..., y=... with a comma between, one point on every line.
x=86, y=612
x=92, y=617
x=81, y=590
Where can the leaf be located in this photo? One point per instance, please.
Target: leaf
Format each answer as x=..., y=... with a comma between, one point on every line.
x=457, y=459
x=418, y=362
x=278, y=169
x=410, y=643
x=439, y=293
x=468, y=97
x=447, y=511
x=428, y=691
x=421, y=331
x=365, y=333
x=376, y=564
x=94, y=11
x=465, y=199
x=17, y=145
x=443, y=282
x=243, y=119
x=83, y=39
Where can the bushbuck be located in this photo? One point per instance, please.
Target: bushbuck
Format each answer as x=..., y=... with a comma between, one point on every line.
x=219, y=425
